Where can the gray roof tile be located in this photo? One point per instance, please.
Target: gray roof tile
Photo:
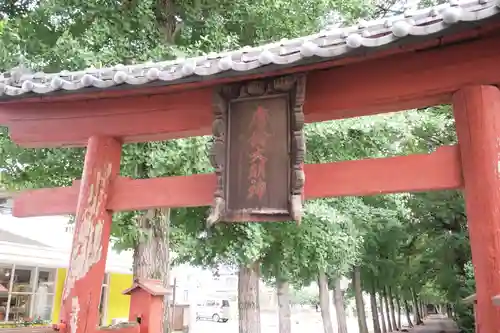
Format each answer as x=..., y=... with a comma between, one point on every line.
x=325, y=45
x=6, y=236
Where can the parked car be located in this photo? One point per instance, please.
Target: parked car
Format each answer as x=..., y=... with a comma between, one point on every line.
x=216, y=310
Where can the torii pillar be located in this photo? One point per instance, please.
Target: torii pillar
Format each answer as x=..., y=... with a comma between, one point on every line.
x=82, y=289
x=477, y=115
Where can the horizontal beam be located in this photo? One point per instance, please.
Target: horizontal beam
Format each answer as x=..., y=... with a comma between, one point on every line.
x=135, y=119
x=403, y=81
x=419, y=76
x=440, y=170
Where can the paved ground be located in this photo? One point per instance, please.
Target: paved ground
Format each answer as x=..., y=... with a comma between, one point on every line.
x=311, y=322
x=26, y=330
x=436, y=324
x=306, y=322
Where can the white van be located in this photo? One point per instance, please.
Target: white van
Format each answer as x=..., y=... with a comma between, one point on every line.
x=216, y=310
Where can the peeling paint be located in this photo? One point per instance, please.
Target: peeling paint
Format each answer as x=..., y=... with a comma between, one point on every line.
x=87, y=244
x=75, y=309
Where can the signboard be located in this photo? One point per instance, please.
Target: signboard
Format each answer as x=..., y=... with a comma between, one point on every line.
x=258, y=151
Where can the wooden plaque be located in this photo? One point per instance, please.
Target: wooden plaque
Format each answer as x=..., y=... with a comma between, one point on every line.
x=258, y=150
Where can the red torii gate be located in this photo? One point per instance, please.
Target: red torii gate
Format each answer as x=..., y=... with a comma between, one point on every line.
x=445, y=54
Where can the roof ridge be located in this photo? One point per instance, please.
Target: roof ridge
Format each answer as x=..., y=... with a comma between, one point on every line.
x=20, y=239
x=326, y=44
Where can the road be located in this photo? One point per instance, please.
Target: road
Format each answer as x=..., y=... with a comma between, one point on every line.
x=27, y=330
x=304, y=321
x=301, y=322
x=309, y=321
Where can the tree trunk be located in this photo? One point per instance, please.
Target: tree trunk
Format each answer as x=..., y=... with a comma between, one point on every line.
x=398, y=305
x=165, y=13
x=449, y=311
x=382, y=317
x=407, y=310
x=285, y=323
x=418, y=318
x=248, y=298
x=424, y=309
x=373, y=305
x=324, y=303
x=152, y=254
x=393, y=313
x=338, y=301
x=360, y=305
x=387, y=310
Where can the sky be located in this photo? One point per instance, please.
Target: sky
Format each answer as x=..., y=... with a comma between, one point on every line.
x=50, y=230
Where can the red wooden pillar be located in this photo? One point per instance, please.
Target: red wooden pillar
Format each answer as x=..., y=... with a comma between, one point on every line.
x=82, y=289
x=477, y=115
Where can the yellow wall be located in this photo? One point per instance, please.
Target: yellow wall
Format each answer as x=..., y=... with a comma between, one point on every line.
x=118, y=304
x=59, y=286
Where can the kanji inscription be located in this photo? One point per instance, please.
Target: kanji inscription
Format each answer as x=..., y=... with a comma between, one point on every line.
x=258, y=150
x=258, y=140
x=258, y=177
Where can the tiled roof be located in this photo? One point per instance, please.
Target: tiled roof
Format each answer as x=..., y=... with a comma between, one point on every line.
x=6, y=236
x=153, y=287
x=326, y=45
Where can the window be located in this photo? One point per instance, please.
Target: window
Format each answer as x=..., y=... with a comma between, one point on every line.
x=43, y=306
x=26, y=292
x=104, y=300
x=44, y=295
x=20, y=305
x=5, y=276
x=46, y=280
x=21, y=296
x=22, y=280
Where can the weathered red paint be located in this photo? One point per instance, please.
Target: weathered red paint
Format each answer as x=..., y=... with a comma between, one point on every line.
x=147, y=303
x=139, y=118
x=440, y=170
x=392, y=80
x=385, y=84
x=477, y=114
x=82, y=288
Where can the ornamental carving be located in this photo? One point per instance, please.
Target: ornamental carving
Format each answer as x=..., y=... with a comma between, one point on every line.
x=258, y=150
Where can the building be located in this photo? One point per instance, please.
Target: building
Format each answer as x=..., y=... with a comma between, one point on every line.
x=5, y=201
x=32, y=278
x=34, y=255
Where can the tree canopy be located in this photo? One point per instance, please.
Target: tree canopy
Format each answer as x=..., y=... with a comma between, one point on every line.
x=411, y=243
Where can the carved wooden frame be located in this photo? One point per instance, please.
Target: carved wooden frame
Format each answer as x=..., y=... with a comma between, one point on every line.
x=294, y=87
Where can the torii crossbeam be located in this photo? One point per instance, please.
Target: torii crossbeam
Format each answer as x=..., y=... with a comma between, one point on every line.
x=445, y=54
